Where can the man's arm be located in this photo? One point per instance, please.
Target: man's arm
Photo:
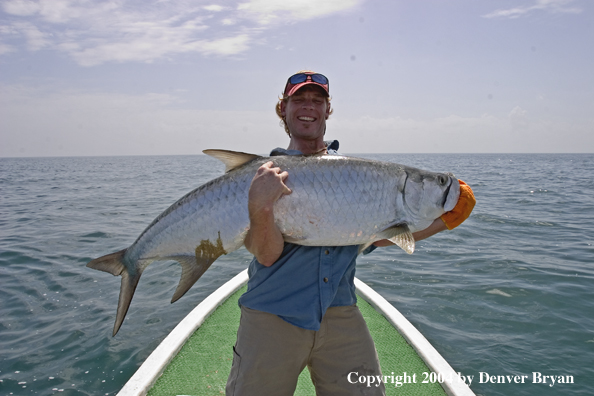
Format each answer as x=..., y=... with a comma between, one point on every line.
x=264, y=240
x=437, y=226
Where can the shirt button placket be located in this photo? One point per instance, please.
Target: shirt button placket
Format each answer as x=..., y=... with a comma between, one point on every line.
x=326, y=252
x=326, y=266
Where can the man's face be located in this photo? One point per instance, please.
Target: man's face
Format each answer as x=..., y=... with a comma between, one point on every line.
x=306, y=112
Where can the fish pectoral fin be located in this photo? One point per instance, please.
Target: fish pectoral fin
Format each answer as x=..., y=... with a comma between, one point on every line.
x=231, y=159
x=401, y=236
x=114, y=264
x=365, y=246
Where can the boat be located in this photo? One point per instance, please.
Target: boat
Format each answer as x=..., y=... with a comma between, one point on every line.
x=195, y=358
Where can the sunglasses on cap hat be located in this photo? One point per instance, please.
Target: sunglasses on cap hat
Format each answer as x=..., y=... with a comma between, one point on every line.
x=298, y=80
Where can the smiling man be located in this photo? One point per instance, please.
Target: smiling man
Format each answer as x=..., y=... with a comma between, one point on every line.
x=300, y=307
x=304, y=113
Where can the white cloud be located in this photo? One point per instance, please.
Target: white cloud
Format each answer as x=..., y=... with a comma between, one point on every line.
x=457, y=134
x=72, y=123
x=36, y=39
x=5, y=49
x=453, y=133
x=54, y=122
x=153, y=42
x=57, y=11
x=551, y=6
x=21, y=7
x=518, y=118
x=226, y=46
x=269, y=11
x=214, y=8
x=125, y=31
x=517, y=112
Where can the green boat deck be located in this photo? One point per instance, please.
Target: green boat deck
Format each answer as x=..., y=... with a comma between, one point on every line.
x=203, y=364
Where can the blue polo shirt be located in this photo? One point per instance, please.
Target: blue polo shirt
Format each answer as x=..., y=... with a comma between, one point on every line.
x=305, y=281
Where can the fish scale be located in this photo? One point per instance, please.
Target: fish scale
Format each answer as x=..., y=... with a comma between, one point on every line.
x=335, y=201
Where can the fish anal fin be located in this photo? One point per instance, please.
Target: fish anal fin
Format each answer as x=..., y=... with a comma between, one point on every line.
x=194, y=266
x=231, y=159
x=192, y=270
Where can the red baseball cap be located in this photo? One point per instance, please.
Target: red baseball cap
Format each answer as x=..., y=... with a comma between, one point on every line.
x=303, y=78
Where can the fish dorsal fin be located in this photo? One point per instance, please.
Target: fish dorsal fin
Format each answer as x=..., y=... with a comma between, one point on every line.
x=231, y=159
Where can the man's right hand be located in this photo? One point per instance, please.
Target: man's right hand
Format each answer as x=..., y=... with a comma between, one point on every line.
x=264, y=240
x=268, y=185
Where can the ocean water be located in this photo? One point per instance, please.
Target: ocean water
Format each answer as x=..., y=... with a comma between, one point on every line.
x=508, y=293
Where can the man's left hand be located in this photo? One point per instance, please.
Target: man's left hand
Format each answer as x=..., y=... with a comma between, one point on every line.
x=461, y=211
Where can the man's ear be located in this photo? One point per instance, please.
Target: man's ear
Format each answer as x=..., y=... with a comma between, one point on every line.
x=283, y=108
x=328, y=110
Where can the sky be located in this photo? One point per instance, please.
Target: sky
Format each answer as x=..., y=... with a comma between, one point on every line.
x=167, y=77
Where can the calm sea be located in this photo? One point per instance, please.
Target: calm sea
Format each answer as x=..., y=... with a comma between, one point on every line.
x=508, y=293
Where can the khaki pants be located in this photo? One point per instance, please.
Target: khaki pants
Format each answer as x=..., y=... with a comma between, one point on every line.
x=271, y=353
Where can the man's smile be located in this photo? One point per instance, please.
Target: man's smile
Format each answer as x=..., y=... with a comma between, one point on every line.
x=305, y=118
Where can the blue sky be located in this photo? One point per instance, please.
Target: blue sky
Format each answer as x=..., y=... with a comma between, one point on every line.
x=119, y=77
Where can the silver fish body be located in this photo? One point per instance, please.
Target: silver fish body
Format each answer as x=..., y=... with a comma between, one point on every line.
x=335, y=201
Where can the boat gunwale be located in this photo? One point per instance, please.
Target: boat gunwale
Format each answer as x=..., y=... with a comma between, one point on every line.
x=420, y=344
x=152, y=368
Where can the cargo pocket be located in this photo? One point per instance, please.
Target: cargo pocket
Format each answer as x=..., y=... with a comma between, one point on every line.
x=232, y=381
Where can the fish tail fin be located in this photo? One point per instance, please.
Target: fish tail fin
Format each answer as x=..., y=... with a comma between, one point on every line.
x=114, y=264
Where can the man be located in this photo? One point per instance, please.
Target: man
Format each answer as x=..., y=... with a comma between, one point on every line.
x=300, y=309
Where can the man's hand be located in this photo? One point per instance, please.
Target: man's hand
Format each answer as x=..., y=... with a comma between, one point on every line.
x=264, y=240
x=461, y=211
x=268, y=185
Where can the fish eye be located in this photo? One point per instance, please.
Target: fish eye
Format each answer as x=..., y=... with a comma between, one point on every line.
x=442, y=180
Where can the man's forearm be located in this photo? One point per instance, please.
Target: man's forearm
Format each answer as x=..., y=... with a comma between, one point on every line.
x=437, y=226
x=264, y=240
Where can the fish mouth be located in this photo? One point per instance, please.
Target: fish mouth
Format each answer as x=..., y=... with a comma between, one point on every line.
x=446, y=193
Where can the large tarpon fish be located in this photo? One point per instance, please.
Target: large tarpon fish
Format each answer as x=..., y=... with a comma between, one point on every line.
x=335, y=201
